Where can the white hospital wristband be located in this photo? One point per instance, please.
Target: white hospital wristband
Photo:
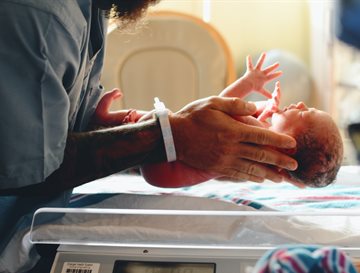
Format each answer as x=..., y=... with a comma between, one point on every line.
x=163, y=115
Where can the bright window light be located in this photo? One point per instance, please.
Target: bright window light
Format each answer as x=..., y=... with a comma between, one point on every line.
x=206, y=10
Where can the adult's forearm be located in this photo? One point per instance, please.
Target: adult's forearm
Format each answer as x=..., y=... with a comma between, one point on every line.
x=96, y=154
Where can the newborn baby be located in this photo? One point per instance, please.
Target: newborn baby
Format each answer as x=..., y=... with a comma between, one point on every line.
x=319, y=149
x=319, y=146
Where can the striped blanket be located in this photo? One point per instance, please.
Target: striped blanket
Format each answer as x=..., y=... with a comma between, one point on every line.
x=345, y=194
x=283, y=197
x=305, y=259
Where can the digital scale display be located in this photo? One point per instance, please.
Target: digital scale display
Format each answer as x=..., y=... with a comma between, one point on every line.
x=162, y=267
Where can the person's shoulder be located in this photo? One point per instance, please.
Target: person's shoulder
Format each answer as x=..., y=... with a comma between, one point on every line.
x=67, y=12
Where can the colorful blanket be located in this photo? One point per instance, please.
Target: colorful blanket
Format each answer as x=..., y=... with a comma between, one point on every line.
x=305, y=259
x=344, y=194
x=283, y=197
x=265, y=196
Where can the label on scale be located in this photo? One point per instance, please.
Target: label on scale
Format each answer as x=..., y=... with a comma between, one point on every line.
x=80, y=267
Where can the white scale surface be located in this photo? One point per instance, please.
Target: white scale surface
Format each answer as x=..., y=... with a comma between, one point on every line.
x=227, y=253
x=224, y=254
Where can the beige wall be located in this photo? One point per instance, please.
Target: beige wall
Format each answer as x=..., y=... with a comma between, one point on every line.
x=253, y=26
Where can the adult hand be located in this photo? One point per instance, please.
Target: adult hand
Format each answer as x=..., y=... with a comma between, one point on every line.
x=207, y=137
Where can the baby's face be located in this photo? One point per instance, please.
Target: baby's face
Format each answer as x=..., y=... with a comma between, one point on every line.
x=293, y=119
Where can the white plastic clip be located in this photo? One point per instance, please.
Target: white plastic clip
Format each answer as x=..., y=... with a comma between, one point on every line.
x=163, y=115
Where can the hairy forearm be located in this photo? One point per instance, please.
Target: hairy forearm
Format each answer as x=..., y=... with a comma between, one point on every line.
x=96, y=154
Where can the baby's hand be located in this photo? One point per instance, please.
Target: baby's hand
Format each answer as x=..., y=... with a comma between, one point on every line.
x=257, y=77
x=103, y=117
x=270, y=106
x=254, y=79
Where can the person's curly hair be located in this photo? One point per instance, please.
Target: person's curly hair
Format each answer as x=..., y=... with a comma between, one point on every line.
x=125, y=11
x=319, y=159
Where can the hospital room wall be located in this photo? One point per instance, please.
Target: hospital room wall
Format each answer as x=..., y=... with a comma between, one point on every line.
x=254, y=26
x=304, y=28
x=298, y=27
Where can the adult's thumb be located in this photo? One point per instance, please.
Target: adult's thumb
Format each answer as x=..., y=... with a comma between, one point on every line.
x=237, y=107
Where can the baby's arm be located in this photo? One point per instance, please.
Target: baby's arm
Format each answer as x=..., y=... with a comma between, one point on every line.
x=254, y=79
x=270, y=106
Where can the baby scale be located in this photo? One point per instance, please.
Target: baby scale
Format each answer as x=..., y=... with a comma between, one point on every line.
x=147, y=241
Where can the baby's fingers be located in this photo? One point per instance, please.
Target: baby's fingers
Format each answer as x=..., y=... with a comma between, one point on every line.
x=260, y=61
x=249, y=64
x=103, y=107
x=274, y=75
x=271, y=68
x=266, y=93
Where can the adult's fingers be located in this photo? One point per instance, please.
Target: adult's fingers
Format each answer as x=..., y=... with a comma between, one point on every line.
x=291, y=180
x=250, y=120
x=233, y=106
x=253, y=171
x=262, y=136
x=207, y=138
x=237, y=177
x=266, y=155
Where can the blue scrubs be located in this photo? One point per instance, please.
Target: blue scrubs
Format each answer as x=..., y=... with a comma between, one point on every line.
x=51, y=56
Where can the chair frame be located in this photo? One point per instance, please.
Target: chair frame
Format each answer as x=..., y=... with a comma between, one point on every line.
x=231, y=75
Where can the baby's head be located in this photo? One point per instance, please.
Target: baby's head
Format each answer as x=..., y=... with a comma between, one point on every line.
x=319, y=148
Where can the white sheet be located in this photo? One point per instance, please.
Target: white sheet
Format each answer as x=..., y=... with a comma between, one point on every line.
x=229, y=231
x=276, y=231
x=117, y=183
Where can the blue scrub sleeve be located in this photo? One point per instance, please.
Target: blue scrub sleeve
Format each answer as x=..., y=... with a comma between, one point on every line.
x=39, y=63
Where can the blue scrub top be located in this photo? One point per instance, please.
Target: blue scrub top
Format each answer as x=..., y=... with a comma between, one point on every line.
x=51, y=56
x=49, y=82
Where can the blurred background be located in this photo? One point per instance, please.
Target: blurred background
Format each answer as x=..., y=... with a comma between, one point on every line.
x=302, y=35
